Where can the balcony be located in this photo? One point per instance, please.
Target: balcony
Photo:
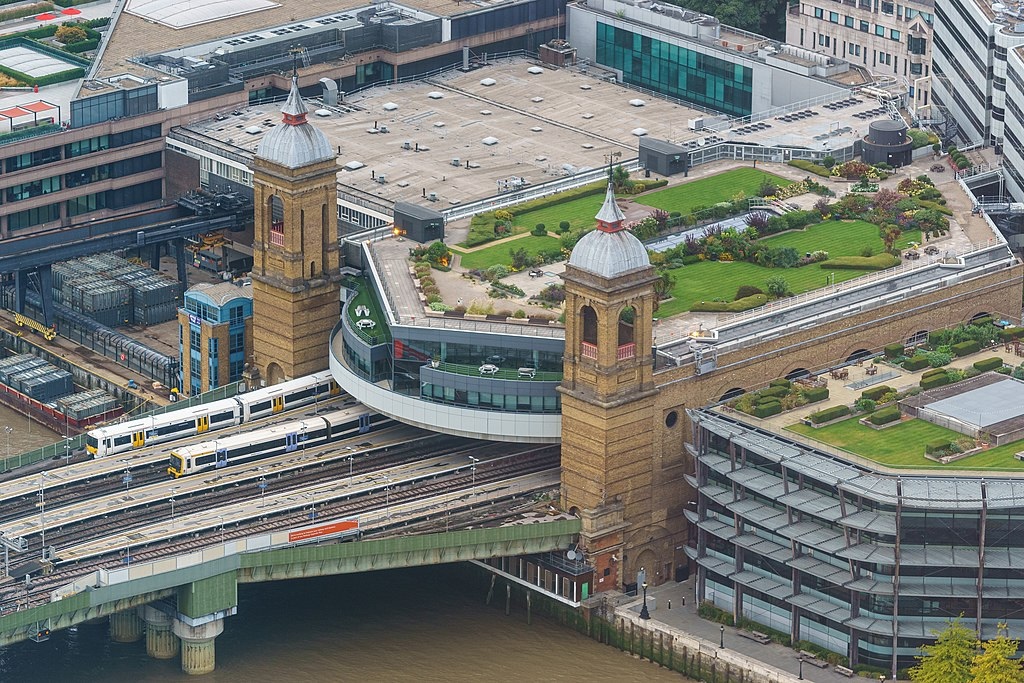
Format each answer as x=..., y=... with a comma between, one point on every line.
x=588, y=350
x=626, y=351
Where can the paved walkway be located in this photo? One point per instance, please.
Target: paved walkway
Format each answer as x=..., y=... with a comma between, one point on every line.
x=683, y=617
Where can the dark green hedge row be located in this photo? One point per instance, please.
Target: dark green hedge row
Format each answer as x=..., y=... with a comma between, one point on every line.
x=893, y=350
x=744, y=304
x=767, y=409
x=828, y=414
x=811, y=167
x=876, y=262
x=777, y=392
x=780, y=382
x=1008, y=333
x=83, y=46
x=934, y=381
x=965, y=348
x=984, y=320
x=989, y=364
x=933, y=372
x=816, y=394
x=884, y=416
x=915, y=363
x=936, y=446
x=875, y=393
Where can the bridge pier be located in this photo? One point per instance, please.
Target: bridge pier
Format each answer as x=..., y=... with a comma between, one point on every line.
x=197, y=645
x=125, y=627
x=161, y=643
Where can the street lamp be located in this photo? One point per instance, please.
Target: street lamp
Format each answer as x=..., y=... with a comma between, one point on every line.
x=42, y=516
x=303, y=430
x=387, y=497
x=644, y=614
x=262, y=484
x=7, y=463
x=127, y=478
x=473, y=468
x=800, y=676
x=221, y=518
x=67, y=450
x=170, y=500
x=721, y=637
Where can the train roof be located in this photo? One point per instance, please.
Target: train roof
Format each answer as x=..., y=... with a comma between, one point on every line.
x=230, y=441
x=152, y=421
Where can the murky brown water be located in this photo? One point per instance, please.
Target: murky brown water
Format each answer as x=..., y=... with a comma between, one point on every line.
x=421, y=624
x=26, y=435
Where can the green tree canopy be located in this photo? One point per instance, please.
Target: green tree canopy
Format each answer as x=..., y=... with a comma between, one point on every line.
x=949, y=659
x=996, y=663
x=767, y=17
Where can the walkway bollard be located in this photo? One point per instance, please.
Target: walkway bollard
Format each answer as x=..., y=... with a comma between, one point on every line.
x=670, y=604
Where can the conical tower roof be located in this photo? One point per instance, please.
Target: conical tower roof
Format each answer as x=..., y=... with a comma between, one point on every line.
x=610, y=217
x=297, y=142
x=611, y=250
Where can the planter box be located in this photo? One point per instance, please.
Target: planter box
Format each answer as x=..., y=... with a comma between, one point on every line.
x=946, y=459
x=868, y=423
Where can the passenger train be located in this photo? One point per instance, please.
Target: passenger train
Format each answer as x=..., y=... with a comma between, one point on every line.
x=280, y=438
x=228, y=412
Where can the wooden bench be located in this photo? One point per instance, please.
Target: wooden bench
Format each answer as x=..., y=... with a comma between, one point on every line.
x=813, y=660
x=756, y=636
x=844, y=671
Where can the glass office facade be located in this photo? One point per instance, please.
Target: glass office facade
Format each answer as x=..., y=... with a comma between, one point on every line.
x=675, y=70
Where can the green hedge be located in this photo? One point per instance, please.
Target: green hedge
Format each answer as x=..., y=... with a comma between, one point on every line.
x=884, y=416
x=82, y=46
x=933, y=372
x=767, y=409
x=934, y=381
x=989, y=364
x=984, y=320
x=775, y=392
x=893, y=350
x=1008, y=333
x=936, y=446
x=875, y=393
x=780, y=382
x=915, y=363
x=744, y=304
x=965, y=348
x=925, y=204
x=828, y=414
x=816, y=394
x=876, y=262
x=810, y=167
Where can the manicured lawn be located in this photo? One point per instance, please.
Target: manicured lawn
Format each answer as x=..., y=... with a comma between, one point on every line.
x=711, y=190
x=710, y=280
x=717, y=188
x=903, y=445
x=381, y=332
x=499, y=253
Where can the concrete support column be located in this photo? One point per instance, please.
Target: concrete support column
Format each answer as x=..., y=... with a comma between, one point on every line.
x=197, y=650
x=161, y=643
x=125, y=627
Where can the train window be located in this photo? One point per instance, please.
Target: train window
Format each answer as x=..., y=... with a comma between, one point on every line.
x=299, y=395
x=122, y=440
x=260, y=407
x=171, y=429
x=222, y=417
x=205, y=459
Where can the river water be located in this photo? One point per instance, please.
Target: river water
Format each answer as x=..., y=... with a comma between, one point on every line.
x=26, y=435
x=419, y=624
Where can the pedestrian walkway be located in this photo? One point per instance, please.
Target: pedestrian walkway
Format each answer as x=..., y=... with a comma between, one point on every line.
x=673, y=605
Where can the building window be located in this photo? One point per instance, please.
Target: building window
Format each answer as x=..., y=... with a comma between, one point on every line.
x=236, y=368
x=916, y=46
x=864, y=26
x=237, y=314
x=237, y=342
x=33, y=217
x=32, y=159
x=819, y=13
x=915, y=69
x=35, y=188
x=894, y=34
x=213, y=348
x=848, y=22
x=887, y=7
x=195, y=339
x=879, y=30
x=833, y=17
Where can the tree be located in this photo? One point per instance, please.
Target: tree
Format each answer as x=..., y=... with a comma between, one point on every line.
x=889, y=234
x=996, y=663
x=777, y=287
x=949, y=659
x=621, y=179
x=70, y=34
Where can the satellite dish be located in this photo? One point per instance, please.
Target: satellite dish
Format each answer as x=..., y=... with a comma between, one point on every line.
x=701, y=142
x=571, y=554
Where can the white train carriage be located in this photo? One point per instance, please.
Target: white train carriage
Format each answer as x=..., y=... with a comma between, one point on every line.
x=282, y=438
x=229, y=412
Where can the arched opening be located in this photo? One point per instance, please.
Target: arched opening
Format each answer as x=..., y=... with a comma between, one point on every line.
x=275, y=375
x=312, y=268
x=275, y=209
x=588, y=332
x=919, y=337
x=574, y=511
x=799, y=373
x=858, y=355
x=735, y=392
x=627, y=343
x=979, y=316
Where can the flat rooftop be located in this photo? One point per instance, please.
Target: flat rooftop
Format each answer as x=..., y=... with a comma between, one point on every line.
x=541, y=126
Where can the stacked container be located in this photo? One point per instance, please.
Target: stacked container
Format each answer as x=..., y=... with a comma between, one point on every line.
x=86, y=404
x=35, y=378
x=114, y=291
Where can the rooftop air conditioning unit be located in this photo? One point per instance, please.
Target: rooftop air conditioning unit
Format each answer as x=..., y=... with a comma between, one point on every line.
x=456, y=162
x=407, y=145
x=695, y=124
x=381, y=178
x=432, y=196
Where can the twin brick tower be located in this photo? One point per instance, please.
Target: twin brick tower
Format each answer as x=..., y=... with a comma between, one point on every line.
x=626, y=467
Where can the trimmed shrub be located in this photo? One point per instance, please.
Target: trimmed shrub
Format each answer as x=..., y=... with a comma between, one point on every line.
x=965, y=348
x=989, y=364
x=1008, y=333
x=828, y=414
x=933, y=372
x=893, y=350
x=810, y=167
x=780, y=382
x=984, y=320
x=731, y=306
x=876, y=262
x=875, y=393
x=884, y=416
x=746, y=290
x=934, y=381
x=937, y=446
x=915, y=363
x=767, y=409
x=774, y=392
x=816, y=394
